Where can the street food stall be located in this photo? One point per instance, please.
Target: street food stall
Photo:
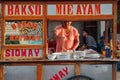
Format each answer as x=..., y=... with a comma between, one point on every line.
x=25, y=30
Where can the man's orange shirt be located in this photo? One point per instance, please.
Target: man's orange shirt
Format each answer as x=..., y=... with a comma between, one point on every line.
x=68, y=42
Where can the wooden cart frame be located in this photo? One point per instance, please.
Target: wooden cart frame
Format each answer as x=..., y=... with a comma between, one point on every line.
x=45, y=17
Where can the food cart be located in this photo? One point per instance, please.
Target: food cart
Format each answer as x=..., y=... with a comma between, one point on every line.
x=24, y=39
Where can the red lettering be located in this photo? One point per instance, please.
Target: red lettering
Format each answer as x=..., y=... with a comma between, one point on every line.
x=17, y=11
x=78, y=10
x=30, y=24
x=30, y=52
x=15, y=37
x=38, y=38
x=36, y=51
x=90, y=11
x=10, y=10
x=18, y=37
x=19, y=24
x=34, y=25
x=13, y=53
x=84, y=6
x=65, y=70
x=70, y=9
x=31, y=11
x=56, y=77
x=7, y=53
x=12, y=37
x=97, y=9
x=17, y=51
x=64, y=9
x=24, y=10
x=26, y=38
x=58, y=9
x=33, y=38
x=61, y=74
x=23, y=23
x=38, y=10
x=50, y=79
x=23, y=51
x=13, y=26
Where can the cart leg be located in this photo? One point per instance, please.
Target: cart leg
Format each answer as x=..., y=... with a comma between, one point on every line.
x=1, y=72
x=77, y=69
x=114, y=71
x=39, y=72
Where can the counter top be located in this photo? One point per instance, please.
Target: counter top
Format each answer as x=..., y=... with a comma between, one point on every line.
x=70, y=60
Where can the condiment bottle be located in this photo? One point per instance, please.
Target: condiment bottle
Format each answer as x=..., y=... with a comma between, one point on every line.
x=104, y=52
x=112, y=54
x=108, y=52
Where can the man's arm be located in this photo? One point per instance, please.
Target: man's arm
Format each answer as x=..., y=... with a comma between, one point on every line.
x=76, y=43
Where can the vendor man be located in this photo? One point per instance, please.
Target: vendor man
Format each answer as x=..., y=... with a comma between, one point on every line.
x=67, y=37
x=89, y=40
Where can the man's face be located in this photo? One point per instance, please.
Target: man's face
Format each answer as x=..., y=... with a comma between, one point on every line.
x=67, y=23
x=84, y=33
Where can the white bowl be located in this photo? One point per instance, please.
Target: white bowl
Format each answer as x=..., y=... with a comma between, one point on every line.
x=57, y=53
x=93, y=55
x=51, y=56
x=64, y=56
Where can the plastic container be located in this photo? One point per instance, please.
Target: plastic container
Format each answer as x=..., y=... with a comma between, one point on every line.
x=108, y=52
x=51, y=56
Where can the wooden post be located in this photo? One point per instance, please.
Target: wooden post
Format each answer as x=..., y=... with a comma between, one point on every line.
x=3, y=29
x=39, y=72
x=1, y=72
x=114, y=26
x=114, y=71
x=106, y=32
x=77, y=69
x=0, y=27
x=45, y=30
x=0, y=31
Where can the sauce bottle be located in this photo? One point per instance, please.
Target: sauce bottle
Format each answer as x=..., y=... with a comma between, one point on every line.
x=103, y=52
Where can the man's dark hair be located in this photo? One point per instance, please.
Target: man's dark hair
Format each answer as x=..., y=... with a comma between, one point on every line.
x=86, y=31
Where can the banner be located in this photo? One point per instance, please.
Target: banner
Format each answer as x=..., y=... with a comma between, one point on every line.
x=97, y=71
x=23, y=10
x=20, y=72
x=23, y=32
x=22, y=53
x=79, y=9
x=57, y=72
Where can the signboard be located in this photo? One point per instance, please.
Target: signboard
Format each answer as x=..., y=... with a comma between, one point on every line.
x=97, y=72
x=79, y=9
x=58, y=9
x=20, y=72
x=23, y=10
x=57, y=72
x=23, y=32
x=17, y=53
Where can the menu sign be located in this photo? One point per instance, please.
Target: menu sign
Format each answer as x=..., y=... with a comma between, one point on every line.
x=23, y=9
x=80, y=9
x=23, y=53
x=23, y=32
x=58, y=72
x=58, y=9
